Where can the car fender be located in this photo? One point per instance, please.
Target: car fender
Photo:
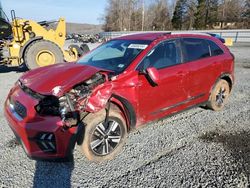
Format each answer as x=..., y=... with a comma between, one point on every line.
x=222, y=76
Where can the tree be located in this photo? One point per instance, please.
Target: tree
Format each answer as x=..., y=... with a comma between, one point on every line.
x=200, y=15
x=137, y=15
x=246, y=14
x=206, y=14
x=179, y=14
x=212, y=13
x=123, y=15
x=230, y=12
x=112, y=16
x=189, y=17
x=160, y=17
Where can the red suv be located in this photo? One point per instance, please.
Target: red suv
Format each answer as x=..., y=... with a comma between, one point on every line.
x=115, y=88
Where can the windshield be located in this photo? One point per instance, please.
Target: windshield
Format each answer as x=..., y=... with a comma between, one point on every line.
x=115, y=55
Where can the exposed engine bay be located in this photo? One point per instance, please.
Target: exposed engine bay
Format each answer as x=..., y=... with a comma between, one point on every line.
x=73, y=103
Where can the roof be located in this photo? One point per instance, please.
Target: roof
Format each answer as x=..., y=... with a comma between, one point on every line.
x=151, y=36
x=189, y=33
x=143, y=36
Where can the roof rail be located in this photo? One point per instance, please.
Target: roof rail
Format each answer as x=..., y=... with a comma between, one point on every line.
x=163, y=34
x=190, y=32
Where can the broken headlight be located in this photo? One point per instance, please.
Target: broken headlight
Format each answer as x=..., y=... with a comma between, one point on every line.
x=73, y=101
x=49, y=105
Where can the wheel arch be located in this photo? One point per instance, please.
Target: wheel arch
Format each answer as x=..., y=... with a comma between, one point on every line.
x=225, y=76
x=228, y=77
x=127, y=109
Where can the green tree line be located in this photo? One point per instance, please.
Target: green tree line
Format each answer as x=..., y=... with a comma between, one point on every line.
x=148, y=15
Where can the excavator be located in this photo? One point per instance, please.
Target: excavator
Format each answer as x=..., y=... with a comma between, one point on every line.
x=33, y=44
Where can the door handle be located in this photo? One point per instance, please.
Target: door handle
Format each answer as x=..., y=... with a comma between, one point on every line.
x=181, y=73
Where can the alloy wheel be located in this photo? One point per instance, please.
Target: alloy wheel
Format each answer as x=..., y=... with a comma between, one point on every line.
x=106, y=137
x=221, y=96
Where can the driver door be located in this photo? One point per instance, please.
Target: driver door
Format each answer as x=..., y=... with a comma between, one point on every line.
x=157, y=101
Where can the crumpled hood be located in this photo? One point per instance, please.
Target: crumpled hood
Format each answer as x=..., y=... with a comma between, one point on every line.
x=57, y=79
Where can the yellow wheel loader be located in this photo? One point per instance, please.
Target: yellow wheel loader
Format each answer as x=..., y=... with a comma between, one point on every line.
x=36, y=46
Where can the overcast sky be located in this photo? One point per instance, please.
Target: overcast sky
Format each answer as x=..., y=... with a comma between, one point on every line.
x=80, y=11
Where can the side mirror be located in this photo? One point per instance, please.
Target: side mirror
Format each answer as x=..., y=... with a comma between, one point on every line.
x=153, y=76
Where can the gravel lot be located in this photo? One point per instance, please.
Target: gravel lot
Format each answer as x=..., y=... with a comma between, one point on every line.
x=196, y=148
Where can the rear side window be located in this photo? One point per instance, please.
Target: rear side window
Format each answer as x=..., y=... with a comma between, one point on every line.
x=214, y=48
x=195, y=49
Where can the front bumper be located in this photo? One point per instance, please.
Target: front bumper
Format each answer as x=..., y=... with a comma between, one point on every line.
x=42, y=137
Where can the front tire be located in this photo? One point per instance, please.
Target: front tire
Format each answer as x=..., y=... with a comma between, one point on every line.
x=219, y=95
x=102, y=142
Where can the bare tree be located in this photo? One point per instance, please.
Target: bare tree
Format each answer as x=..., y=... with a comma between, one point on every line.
x=136, y=15
x=160, y=17
x=231, y=11
x=246, y=14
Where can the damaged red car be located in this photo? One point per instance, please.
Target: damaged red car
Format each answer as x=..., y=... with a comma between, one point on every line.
x=115, y=88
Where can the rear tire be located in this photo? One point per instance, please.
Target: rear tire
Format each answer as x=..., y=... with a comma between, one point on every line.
x=103, y=142
x=42, y=53
x=85, y=49
x=219, y=95
x=77, y=48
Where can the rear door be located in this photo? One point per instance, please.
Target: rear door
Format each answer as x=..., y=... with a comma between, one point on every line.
x=203, y=69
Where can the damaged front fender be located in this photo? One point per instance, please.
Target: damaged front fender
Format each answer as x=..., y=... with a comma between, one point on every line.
x=99, y=98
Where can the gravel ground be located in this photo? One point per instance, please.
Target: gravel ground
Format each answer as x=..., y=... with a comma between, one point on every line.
x=196, y=148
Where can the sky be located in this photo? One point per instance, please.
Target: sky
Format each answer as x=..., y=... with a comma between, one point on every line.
x=77, y=11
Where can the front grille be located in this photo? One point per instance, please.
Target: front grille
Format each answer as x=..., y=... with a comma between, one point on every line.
x=20, y=109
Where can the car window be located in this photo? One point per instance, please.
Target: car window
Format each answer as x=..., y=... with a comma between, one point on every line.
x=195, y=49
x=163, y=55
x=109, y=54
x=214, y=48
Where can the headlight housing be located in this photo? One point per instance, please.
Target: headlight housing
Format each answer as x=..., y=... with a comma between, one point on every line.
x=49, y=105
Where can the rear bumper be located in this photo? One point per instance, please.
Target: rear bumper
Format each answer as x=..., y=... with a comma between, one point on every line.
x=41, y=137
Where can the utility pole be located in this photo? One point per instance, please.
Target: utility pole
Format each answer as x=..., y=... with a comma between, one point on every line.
x=143, y=16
